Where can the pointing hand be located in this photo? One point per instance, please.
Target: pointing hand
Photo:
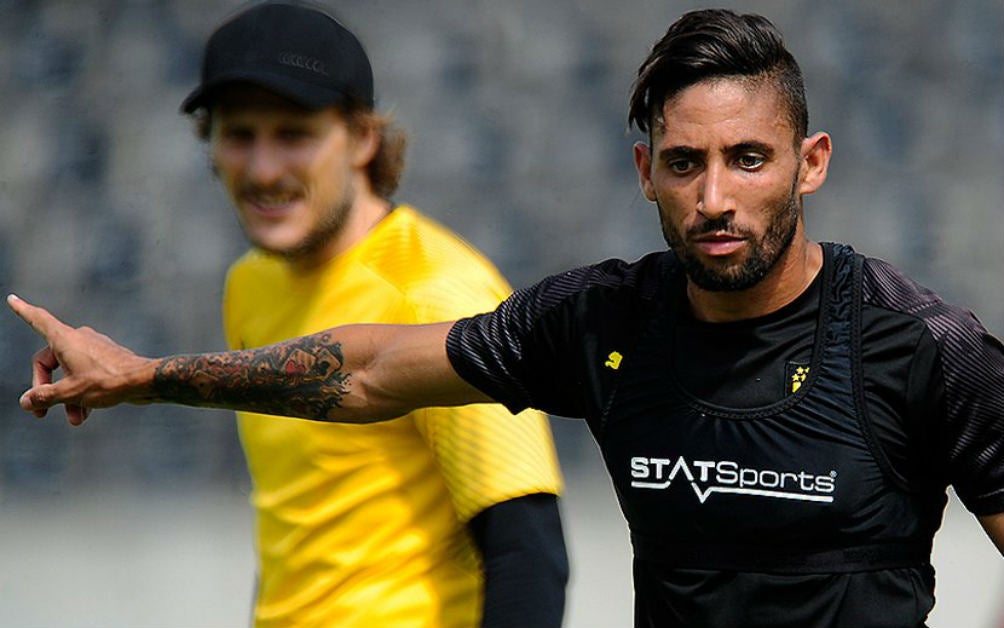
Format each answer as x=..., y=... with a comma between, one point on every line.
x=97, y=372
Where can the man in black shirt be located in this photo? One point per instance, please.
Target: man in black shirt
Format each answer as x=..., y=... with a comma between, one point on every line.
x=780, y=417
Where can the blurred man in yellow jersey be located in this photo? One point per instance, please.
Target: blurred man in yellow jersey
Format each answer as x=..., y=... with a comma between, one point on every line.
x=444, y=517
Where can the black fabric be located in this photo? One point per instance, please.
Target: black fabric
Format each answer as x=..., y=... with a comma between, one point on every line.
x=805, y=601
x=752, y=352
x=924, y=410
x=902, y=380
x=933, y=376
x=525, y=562
x=546, y=345
x=299, y=52
x=967, y=375
x=794, y=488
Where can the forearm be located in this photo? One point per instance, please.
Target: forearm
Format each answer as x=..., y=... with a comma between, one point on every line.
x=304, y=377
x=355, y=373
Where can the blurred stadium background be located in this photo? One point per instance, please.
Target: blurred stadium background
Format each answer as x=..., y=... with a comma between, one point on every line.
x=109, y=216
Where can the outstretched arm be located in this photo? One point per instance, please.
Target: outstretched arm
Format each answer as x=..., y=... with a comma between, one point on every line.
x=354, y=374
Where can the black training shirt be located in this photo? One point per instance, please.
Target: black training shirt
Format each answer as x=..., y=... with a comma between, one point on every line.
x=932, y=384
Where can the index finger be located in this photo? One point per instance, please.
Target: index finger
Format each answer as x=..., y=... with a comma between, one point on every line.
x=40, y=320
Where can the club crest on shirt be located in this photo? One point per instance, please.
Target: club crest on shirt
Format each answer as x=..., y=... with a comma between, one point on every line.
x=795, y=375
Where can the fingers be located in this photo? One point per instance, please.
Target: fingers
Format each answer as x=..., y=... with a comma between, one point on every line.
x=43, y=393
x=39, y=399
x=76, y=415
x=43, y=363
x=33, y=401
x=44, y=323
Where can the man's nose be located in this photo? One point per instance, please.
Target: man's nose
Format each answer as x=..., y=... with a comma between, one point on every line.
x=714, y=199
x=265, y=163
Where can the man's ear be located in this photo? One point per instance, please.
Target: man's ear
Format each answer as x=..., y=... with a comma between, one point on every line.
x=815, y=152
x=365, y=143
x=643, y=164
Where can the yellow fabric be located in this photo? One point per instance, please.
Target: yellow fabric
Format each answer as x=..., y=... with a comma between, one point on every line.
x=363, y=525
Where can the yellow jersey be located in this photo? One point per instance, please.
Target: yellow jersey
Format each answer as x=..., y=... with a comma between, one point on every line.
x=364, y=525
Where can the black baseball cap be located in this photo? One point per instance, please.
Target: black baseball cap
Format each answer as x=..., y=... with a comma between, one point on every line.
x=294, y=49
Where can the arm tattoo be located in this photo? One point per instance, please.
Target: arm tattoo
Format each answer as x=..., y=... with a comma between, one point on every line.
x=300, y=378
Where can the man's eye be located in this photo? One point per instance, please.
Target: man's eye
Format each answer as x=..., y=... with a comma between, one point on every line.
x=237, y=135
x=681, y=166
x=292, y=135
x=750, y=162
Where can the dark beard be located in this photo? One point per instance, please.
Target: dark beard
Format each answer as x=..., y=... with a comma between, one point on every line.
x=763, y=256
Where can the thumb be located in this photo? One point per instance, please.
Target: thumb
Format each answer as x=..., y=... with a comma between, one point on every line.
x=40, y=320
x=38, y=399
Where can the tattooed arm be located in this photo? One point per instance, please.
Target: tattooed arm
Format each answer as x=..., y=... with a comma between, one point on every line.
x=356, y=373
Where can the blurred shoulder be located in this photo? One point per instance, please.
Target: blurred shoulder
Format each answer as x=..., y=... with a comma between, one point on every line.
x=432, y=266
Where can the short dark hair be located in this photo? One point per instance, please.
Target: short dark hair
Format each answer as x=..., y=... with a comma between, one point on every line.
x=713, y=43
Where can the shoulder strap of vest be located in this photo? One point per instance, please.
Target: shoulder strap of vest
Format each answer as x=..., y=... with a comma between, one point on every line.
x=856, y=262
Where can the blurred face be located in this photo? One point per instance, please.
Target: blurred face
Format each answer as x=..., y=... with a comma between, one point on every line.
x=725, y=172
x=288, y=170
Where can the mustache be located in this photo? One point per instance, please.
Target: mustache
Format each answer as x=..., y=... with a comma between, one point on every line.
x=722, y=224
x=266, y=190
x=280, y=187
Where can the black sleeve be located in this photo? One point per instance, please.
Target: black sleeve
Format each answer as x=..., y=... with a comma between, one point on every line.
x=972, y=362
x=544, y=345
x=521, y=354
x=525, y=563
x=956, y=382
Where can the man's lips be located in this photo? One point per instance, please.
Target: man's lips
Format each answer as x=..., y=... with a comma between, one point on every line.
x=718, y=244
x=269, y=208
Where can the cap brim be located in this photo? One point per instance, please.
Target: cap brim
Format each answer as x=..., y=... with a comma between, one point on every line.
x=304, y=94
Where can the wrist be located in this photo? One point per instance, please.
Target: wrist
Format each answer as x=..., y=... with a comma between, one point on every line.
x=138, y=383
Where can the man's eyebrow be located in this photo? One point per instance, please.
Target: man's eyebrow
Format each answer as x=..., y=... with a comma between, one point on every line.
x=689, y=152
x=679, y=152
x=751, y=146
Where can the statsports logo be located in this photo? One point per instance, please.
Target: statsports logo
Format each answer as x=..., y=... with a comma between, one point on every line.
x=708, y=477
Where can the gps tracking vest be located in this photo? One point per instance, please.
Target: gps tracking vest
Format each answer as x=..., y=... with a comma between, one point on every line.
x=798, y=486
